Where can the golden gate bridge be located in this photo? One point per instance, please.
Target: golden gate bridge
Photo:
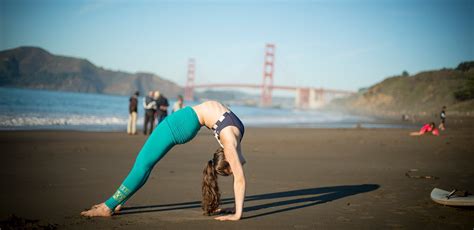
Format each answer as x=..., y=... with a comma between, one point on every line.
x=305, y=97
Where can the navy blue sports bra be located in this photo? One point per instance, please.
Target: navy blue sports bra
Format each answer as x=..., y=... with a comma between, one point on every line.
x=227, y=119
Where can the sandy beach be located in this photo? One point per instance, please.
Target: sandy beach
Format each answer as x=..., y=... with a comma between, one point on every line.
x=296, y=179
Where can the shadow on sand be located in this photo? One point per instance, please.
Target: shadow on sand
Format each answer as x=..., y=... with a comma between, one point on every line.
x=288, y=200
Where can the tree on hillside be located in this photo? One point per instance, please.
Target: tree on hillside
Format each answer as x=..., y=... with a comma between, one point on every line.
x=467, y=92
x=405, y=73
x=465, y=66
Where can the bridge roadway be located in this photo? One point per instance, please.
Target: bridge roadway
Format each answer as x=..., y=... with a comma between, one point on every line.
x=275, y=87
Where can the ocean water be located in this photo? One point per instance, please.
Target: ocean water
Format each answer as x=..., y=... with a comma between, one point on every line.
x=26, y=109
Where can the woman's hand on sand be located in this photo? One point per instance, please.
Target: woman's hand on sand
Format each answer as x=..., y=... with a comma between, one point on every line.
x=228, y=217
x=98, y=210
x=225, y=211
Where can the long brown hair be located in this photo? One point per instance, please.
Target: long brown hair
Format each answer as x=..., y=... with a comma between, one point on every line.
x=211, y=196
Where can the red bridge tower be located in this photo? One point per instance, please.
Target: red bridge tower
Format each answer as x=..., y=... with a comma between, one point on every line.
x=189, y=88
x=268, y=69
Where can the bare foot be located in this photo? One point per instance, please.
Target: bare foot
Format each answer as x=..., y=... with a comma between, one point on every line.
x=117, y=209
x=98, y=210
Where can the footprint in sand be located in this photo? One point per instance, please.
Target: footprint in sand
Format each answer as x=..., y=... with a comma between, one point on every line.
x=345, y=219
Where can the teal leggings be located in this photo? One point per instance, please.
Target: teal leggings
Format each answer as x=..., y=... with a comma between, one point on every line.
x=178, y=128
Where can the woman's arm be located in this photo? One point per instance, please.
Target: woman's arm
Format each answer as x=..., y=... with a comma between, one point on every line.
x=232, y=156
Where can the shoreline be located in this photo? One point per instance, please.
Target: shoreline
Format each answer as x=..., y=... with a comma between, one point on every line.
x=330, y=125
x=378, y=123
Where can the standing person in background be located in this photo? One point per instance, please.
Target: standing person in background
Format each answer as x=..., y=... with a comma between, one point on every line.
x=150, y=107
x=442, y=115
x=133, y=110
x=162, y=105
x=156, y=97
x=178, y=104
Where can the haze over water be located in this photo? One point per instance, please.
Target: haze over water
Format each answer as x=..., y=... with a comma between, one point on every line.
x=22, y=109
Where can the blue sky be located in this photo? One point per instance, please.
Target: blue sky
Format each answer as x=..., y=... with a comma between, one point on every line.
x=331, y=44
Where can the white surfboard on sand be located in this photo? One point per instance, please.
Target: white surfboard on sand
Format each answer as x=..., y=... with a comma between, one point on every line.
x=441, y=197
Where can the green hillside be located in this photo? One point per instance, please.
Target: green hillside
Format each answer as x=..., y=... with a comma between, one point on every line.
x=422, y=94
x=32, y=67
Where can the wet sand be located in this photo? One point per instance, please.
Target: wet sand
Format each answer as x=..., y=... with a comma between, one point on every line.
x=296, y=179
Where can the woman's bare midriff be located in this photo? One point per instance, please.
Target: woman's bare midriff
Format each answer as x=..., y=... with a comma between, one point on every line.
x=209, y=112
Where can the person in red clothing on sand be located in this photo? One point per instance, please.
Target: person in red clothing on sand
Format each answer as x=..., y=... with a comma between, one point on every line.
x=431, y=127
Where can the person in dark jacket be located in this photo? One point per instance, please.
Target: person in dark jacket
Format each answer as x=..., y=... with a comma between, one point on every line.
x=132, y=111
x=162, y=108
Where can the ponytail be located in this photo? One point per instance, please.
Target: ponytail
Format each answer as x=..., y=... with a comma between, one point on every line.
x=210, y=189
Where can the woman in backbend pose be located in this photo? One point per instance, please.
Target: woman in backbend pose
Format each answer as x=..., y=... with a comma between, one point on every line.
x=179, y=128
x=430, y=127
